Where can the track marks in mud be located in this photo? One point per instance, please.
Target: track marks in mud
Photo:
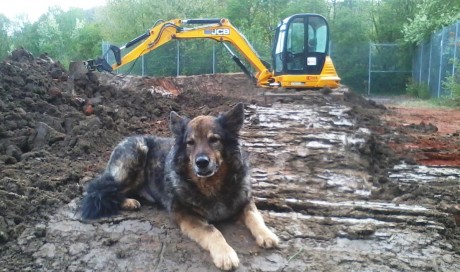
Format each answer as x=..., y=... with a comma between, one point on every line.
x=312, y=172
x=316, y=197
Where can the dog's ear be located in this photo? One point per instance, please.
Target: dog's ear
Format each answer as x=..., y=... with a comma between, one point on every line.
x=233, y=119
x=177, y=123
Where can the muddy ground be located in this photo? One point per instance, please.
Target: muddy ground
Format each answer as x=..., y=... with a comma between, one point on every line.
x=342, y=180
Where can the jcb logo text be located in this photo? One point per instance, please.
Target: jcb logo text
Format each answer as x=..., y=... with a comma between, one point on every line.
x=218, y=31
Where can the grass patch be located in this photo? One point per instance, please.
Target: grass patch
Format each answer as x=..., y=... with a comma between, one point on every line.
x=418, y=89
x=412, y=102
x=426, y=103
x=419, y=93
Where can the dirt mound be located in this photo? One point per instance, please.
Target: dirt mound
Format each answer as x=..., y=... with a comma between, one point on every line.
x=54, y=133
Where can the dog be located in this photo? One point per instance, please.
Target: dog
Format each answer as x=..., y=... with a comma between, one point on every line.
x=200, y=176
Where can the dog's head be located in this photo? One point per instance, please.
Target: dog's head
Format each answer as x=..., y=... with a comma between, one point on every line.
x=206, y=139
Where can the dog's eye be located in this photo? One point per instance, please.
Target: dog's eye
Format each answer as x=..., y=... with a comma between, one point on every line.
x=213, y=139
x=190, y=142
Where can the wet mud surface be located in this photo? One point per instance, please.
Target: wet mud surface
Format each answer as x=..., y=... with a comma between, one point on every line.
x=331, y=176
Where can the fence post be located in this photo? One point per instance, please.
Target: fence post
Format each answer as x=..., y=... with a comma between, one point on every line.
x=429, y=60
x=421, y=65
x=102, y=45
x=177, y=59
x=330, y=49
x=369, y=70
x=455, y=49
x=142, y=65
x=440, y=63
x=213, y=58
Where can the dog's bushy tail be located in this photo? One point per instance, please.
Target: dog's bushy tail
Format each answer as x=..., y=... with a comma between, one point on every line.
x=103, y=198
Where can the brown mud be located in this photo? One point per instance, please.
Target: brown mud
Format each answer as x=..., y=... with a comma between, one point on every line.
x=343, y=187
x=433, y=135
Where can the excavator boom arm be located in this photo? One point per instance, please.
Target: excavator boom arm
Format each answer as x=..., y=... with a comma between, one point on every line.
x=220, y=30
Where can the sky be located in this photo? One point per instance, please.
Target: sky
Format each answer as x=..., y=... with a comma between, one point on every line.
x=34, y=8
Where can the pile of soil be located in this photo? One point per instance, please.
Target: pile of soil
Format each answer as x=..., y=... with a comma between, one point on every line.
x=56, y=134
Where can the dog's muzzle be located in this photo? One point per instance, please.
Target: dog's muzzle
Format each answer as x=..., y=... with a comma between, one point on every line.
x=204, y=167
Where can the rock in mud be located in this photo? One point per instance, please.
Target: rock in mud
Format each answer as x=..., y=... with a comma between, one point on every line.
x=3, y=230
x=45, y=135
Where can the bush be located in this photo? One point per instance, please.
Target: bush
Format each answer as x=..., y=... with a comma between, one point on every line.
x=418, y=89
x=452, y=83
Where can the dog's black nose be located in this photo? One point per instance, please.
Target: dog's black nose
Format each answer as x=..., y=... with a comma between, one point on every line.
x=202, y=161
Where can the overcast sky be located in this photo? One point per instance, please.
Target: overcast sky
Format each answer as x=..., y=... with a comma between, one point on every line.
x=34, y=8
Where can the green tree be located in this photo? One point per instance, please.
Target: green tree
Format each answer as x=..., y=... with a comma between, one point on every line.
x=50, y=38
x=64, y=35
x=430, y=16
x=389, y=17
x=89, y=39
x=254, y=19
x=25, y=34
x=350, y=34
x=5, y=40
x=122, y=20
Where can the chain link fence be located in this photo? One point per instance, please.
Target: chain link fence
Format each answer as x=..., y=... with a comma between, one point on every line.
x=435, y=59
x=372, y=69
x=191, y=57
x=389, y=69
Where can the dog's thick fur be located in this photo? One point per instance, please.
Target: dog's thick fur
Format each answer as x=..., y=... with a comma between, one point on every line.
x=200, y=176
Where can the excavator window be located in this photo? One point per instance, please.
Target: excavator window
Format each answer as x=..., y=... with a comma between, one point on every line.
x=301, y=44
x=295, y=45
x=279, y=48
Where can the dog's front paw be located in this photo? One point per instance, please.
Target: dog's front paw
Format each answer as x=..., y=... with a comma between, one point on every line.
x=224, y=257
x=130, y=204
x=267, y=239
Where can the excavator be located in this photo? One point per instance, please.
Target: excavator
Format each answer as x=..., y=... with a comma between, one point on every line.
x=299, y=53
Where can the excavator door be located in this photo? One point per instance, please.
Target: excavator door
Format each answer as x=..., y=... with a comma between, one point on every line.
x=300, y=52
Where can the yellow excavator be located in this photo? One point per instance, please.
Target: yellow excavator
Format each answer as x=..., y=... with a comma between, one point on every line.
x=300, y=50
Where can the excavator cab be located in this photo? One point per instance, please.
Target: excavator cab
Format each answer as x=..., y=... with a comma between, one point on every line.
x=300, y=52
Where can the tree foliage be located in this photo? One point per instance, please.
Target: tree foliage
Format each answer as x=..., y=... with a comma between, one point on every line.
x=63, y=35
x=389, y=17
x=350, y=41
x=122, y=20
x=430, y=15
x=5, y=40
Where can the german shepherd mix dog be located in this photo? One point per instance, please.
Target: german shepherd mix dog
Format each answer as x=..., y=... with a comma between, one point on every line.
x=200, y=176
